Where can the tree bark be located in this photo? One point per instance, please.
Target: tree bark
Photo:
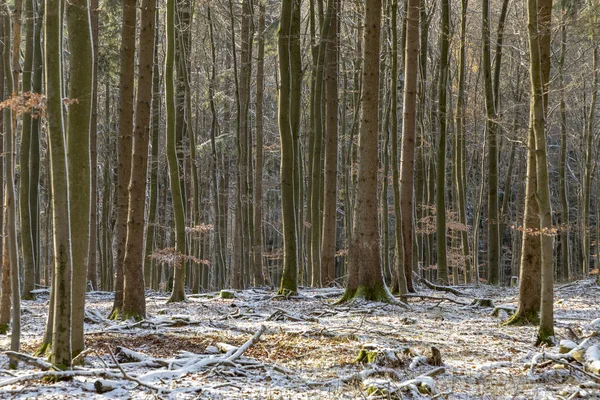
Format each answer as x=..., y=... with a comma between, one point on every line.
x=178, y=292
x=61, y=329
x=126, y=87
x=365, y=277
x=290, y=70
x=134, y=301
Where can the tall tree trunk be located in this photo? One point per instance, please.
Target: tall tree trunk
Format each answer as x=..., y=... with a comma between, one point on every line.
x=5, y=274
x=290, y=72
x=329, y=235
x=589, y=166
x=154, y=162
x=25, y=214
x=92, y=273
x=78, y=156
x=34, y=156
x=460, y=143
x=399, y=279
x=126, y=87
x=407, y=161
x=259, y=276
x=491, y=128
x=220, y=221
x=539, y=13
x=61, y=329
x=178, y=292
x=440, y=196
x=10, y=258
x=562, y=163
x=365, y=277
x=134, y=301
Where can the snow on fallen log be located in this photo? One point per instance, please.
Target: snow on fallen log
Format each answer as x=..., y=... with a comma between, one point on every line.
x=591, y=359
x=35, y=361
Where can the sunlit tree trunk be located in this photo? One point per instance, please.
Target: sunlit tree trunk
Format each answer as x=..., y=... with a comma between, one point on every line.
x=61, y=329
x=134, y=301
x=78, y=155
x=539, y=25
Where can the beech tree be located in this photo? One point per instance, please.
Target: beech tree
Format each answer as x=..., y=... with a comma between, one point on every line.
x=365, y=277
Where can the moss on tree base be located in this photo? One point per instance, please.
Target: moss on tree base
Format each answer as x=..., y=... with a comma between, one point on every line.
x=287, y=293
x=115, y=314
x=4, y=329
x=28, y=296
x=545, y=337
x=523, y=318
x=42, y=350
x=176, y=298
x=125, y=315
x=378, y=293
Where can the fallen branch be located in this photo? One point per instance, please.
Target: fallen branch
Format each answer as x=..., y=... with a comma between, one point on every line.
x=131, y=378
x=58, y=375
x=439, y=288
x=195, y=364
x=419, y=296
x=35, y=361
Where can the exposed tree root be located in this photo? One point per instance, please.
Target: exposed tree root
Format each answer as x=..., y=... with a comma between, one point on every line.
x=438, y=288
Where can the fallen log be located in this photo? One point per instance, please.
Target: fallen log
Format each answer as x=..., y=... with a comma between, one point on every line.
x=35, y=361
x=591, y=359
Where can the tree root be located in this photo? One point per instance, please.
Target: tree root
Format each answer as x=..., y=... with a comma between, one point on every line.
x=438, y=288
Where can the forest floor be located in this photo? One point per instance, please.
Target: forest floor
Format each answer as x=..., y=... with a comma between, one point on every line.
x=309, y=347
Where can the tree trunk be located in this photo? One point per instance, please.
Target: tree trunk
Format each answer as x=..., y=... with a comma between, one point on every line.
x=440, y=196
x=365, y=277
x=407, y=160
x=61, y=329
x=491, y=128
x=460, y=143
x=154, y=162
x=126, y=86
x=290, y=71
x=259, y=277
x=25, y=214
x=34, y=156
x=178, y=292
x=539, y=27
x=134, y=301
x=78, y=156
x=92, y=273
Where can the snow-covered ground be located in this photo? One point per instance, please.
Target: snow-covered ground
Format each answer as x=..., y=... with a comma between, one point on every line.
x=308, y=348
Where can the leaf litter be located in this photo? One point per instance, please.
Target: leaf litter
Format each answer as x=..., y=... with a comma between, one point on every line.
x=258, y=345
